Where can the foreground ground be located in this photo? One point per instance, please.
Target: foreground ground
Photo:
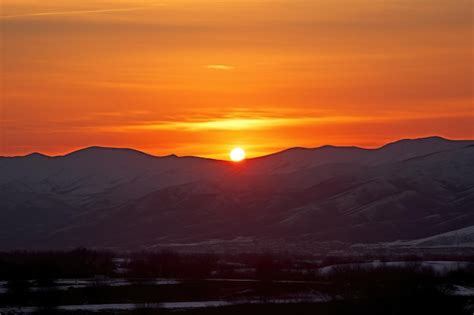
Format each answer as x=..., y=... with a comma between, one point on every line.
x=88, y=282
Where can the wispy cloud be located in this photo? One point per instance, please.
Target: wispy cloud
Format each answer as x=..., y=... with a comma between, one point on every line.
x=247, y=122
x=78, y=12
x=243, y=123
x=220, y=67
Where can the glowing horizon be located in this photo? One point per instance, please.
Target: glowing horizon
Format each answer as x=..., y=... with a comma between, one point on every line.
x=222, y=157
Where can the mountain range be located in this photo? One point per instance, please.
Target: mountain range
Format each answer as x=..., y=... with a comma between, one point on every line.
x=415, y=191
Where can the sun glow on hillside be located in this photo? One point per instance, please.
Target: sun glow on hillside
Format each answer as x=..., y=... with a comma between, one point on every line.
x=237, y=154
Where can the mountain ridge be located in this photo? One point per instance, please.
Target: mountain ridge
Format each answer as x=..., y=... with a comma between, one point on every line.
x=411, y=190
x=99, y=148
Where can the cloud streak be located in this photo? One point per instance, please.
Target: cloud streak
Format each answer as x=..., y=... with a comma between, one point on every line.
x=243, y=123
x=77, y=12
x=220, y=67
x=233, y=124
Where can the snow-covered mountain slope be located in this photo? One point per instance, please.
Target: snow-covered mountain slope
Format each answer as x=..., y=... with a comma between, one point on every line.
x=295, y=159
x=100, y=197
x=102, y=175
x=458, y=238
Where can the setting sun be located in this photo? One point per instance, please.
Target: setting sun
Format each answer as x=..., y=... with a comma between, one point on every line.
x=237, y=154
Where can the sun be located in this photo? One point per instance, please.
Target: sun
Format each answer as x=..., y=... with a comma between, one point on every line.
x=237, y=154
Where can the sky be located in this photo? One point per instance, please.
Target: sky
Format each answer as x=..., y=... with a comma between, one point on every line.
x=199, y=77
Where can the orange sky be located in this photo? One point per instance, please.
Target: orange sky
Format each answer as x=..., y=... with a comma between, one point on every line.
x=198, y=77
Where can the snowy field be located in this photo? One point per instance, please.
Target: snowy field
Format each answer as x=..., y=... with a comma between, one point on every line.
x=441, y=267
x=165, y=305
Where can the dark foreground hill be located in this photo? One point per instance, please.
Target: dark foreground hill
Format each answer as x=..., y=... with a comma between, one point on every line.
x=121, y=198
